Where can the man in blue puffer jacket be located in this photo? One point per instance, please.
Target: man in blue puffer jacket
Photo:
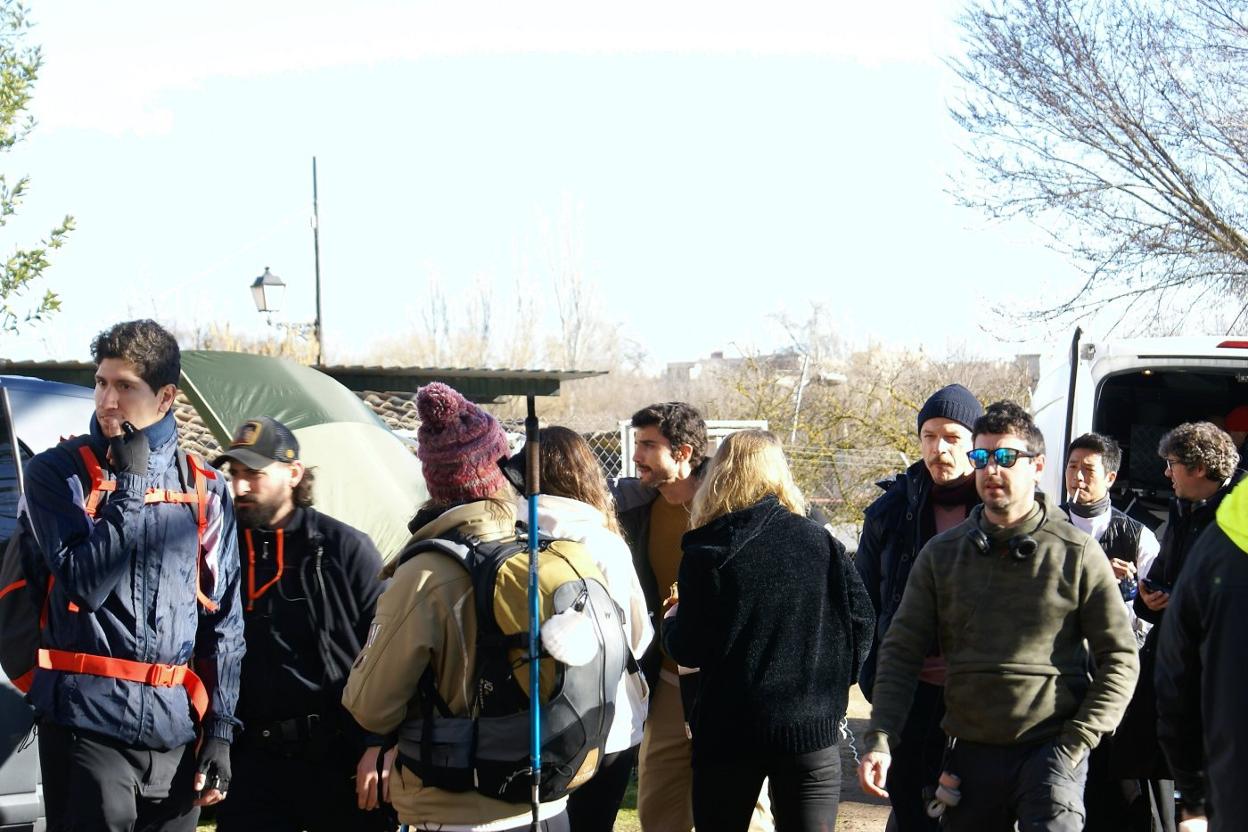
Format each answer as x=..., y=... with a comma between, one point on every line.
x=143, y=627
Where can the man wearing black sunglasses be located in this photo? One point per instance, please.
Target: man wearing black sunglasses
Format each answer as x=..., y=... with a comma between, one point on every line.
x=1019, y=600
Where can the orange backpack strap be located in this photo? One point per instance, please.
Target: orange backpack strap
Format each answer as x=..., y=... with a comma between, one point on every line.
x=99, y=485
x=156, y=675
x=196, y=470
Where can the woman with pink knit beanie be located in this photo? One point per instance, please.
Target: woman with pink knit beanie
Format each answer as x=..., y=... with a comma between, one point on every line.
x=425, y=618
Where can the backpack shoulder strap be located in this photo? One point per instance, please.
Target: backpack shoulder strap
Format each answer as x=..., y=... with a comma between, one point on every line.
x=90, y=470
x=460, y=551
x=195, y=474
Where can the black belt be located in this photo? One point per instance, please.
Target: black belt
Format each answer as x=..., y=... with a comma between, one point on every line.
x=300, y=729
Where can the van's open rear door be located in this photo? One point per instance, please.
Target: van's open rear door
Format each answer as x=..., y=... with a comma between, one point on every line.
x=1069, y=424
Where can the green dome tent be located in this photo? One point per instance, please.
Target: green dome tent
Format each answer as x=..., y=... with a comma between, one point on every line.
x=365, y=475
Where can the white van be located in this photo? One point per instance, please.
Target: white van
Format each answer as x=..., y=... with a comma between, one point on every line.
x=1135, y=390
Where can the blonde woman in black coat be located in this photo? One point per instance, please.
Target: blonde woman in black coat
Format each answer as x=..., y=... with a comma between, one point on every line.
x=776, y=617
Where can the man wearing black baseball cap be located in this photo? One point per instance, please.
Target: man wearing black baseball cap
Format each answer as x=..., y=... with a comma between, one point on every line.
x=310, y=583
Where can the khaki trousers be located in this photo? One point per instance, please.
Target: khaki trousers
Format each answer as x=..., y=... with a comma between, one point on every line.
x=665, y=770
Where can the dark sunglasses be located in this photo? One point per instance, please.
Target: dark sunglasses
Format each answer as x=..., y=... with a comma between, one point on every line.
x=1005, y=457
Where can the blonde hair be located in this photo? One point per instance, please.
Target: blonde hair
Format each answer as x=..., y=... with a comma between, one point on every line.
x=748, y=466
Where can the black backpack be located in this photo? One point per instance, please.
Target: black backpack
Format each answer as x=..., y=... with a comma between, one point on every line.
x=489, y=750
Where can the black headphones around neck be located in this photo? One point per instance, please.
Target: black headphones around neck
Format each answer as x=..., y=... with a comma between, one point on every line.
x=1021, y=546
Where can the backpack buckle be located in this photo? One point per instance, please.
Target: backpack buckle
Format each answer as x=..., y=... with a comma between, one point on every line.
x=162, y=675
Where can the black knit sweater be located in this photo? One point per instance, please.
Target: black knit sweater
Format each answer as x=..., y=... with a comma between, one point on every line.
x=775, y=615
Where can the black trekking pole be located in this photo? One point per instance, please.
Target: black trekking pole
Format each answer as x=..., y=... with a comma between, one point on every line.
x=533, y=465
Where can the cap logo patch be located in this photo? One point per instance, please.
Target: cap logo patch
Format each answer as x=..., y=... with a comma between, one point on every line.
x=248, y=434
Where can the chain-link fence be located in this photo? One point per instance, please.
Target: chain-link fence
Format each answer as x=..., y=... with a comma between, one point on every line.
x=841, y=482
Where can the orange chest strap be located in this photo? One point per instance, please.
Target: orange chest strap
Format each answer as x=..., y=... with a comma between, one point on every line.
x=156, y=675
x=198, y=498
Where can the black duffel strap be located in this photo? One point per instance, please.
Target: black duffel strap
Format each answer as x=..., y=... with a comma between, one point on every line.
x=514, y=641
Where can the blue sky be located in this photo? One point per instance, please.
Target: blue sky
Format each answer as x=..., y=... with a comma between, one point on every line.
x=723, y=165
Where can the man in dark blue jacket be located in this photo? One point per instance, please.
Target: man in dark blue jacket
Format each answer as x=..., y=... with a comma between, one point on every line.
x=143, y=640
x=311, y=586
x=933, y=494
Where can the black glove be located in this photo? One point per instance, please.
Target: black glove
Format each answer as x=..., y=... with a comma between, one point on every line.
x=129, y=451
x=214, y=763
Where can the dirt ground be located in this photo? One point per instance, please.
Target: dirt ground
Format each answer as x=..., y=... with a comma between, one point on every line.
x=857, y=813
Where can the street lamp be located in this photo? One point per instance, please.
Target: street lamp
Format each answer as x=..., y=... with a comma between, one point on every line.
x=268, y=290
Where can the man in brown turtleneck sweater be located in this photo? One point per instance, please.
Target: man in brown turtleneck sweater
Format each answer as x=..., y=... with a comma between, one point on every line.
x=932, y=495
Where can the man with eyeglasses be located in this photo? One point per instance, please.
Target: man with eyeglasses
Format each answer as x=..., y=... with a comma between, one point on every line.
x=1019, y=601
x=932, y=495
x=1201, y=462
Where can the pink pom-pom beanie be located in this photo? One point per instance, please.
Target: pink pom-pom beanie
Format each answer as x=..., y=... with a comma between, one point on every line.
x=459, y=446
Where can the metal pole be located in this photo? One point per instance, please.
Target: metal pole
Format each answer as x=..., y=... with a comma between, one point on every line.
x=316, y=251
x=533, y=467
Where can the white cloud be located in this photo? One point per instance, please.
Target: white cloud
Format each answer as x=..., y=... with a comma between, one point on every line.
x=107, y=71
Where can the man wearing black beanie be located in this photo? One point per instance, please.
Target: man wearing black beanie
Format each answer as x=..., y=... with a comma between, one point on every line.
x=933, y=494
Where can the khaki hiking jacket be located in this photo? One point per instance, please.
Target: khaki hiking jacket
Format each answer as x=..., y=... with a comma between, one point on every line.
x=426, y=617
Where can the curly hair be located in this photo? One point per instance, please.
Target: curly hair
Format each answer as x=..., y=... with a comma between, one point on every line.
x=1010, y=417
x=1098, y=443
x=680, y=424
x=302, y=493
x=1201, y=443
x=145, y=345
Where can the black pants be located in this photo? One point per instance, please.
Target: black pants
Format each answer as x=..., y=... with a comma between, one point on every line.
x=593, y=807
x=1036, y=785
x=805, y=791
x=916, y=765
x=93, y=783
x=292, y=789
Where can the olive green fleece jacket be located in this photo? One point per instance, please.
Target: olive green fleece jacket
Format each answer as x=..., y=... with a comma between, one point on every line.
x=1016, y=635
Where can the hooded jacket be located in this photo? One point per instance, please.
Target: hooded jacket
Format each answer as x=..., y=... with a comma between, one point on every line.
x=426, y=618
x=125, y=587
x=1202, y=669
x=568, y=519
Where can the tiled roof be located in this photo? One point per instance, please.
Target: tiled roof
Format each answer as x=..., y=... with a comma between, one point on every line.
x=397, y=410
x=193, y=434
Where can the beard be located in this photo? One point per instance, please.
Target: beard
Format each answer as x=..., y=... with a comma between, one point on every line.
x=253, y=515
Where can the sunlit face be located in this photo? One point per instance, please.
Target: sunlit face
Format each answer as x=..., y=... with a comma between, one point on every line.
x=657, y=463
x=1087, y=481
x=1190, y=481
x=121, y=395
x=1007, y=493
x=264, y=496
x=944, y=444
